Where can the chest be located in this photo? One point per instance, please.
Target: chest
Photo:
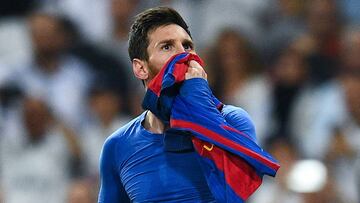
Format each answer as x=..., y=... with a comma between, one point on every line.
x=152, y=174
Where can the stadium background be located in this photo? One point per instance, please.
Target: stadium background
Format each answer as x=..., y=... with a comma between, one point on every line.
x=66, y=83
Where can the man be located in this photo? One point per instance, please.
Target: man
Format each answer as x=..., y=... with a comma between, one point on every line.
x=36, y=154
x=135, y=166
x=53, y=74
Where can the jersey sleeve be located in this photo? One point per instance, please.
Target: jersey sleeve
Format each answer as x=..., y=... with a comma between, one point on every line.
x=199, y=95
x=111, y=189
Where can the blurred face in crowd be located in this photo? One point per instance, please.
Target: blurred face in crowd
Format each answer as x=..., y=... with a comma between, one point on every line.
x=47, y=35
x=36, y=118
x=322, y=17
x=121, y=10
x=290, y=68
x=105, y=105
x=233, y=53
x=290, y=8
x=351, y=51
x=80, y=192
x=351, y=84
x=164, y=42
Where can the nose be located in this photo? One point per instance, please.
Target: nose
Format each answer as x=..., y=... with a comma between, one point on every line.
x=180, y=48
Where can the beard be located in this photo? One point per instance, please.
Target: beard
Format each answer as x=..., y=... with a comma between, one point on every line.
x=153, y=71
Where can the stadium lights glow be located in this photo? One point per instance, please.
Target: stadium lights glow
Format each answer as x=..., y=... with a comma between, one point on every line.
x=307, y=176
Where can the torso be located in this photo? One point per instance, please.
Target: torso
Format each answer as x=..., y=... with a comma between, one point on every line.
x=150, y=173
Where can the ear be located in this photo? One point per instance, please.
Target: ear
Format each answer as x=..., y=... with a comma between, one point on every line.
x=140, y=70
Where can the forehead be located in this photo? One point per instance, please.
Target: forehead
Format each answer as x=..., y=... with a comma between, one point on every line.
x=168, y=32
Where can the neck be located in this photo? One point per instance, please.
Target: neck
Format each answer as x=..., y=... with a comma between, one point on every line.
x=153, y=124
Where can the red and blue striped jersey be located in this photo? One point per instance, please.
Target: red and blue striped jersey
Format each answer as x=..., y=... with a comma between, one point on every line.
x=231, y=160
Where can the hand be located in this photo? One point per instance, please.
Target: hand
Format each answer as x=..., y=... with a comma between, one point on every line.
x=195, y=71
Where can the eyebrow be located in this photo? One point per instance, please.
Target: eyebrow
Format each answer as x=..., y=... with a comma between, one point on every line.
x=171, y=41
x=189, y=42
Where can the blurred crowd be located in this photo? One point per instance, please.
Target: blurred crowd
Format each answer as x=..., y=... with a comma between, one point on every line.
x=66, y=84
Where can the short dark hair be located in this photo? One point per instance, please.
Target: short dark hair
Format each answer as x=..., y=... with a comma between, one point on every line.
x=148, y=21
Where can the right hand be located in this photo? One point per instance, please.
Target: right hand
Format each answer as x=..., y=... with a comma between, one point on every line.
x=195, y=71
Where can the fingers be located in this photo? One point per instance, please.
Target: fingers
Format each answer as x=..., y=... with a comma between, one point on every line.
x=195, y=71
x=194, y=64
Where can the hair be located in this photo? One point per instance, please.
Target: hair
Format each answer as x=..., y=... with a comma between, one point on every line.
x=147, y=22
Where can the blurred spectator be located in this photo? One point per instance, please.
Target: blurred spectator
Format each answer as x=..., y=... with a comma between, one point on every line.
x=9, y=96
x=90, y=16
x=350, y=9
x=278, y=191
x=16, y=8
x=344, y=148
x=117, y=44
x=283, y=23
x=238, y=81
x=319, y=111
x=15, y=43
x=81, y=191
x=351, y=50
x=36, y=161
x=245, y=16
x=327, y=194
x=321, y=43
x=317, y=187
x=357, y=171
x=289, y=77
x=121, y=15
x=54, y=75
x=315, y=113
x=104, y=62
x=212, y=16
x=105, y=117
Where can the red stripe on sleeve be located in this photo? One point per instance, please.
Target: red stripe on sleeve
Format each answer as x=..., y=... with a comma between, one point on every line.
x=220, y=139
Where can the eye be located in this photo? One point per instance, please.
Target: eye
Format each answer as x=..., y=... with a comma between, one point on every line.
x=166, y=47
x=188, y=47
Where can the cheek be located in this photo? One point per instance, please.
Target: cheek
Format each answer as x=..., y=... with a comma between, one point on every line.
x=156, y=62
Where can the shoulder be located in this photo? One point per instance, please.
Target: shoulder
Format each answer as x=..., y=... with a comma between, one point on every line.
x=240, y=119
x=123, y=133
x=117, y=143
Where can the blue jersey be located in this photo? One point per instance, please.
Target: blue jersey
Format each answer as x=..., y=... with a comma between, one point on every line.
x=136, y=166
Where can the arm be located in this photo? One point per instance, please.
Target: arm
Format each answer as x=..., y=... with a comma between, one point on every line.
x=196, y=104
x=235, y=116
x=111, y=189
x=194, y=110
